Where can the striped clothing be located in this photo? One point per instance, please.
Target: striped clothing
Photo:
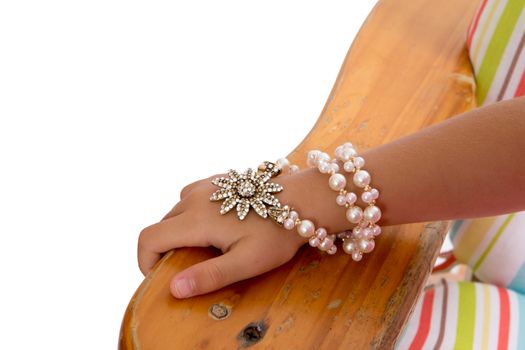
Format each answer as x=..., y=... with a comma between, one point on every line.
x=465, y=315
x=488, y=315
x=495, y=42
x=494, y=248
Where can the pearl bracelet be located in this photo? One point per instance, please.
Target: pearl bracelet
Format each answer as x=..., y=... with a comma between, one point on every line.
x=253, y=189
x=361, y=238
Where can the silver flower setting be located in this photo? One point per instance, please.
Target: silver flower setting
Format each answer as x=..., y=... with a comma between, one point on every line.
x=250, y=188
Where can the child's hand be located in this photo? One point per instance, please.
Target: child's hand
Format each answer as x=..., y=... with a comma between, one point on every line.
x=250, y=247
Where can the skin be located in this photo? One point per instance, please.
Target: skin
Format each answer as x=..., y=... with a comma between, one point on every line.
x=477, y=159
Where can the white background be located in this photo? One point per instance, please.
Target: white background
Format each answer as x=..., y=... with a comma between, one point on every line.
x=108, y=108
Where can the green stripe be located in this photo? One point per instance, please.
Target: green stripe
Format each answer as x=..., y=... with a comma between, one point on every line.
x=466, y=316
x=493, y=242
x=496, y=47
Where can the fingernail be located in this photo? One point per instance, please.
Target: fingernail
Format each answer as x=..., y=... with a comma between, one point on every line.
x=183, y=288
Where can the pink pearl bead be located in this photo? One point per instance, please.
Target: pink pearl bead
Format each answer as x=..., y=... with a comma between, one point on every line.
x=366, y=246
x=376, y=230
x=314, y=242
x=344, y=234
x=320, y=233
x=340, y=200
x=293, y=215
x=289, y=224
x=366, y=197
x=351, y=197
x=357, y=256
x=368, y=233
x=375, y=193
x=357, y=232
x=326, y=244
x=332, y=250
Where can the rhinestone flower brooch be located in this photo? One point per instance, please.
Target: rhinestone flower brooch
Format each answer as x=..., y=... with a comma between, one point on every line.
x=250, y=189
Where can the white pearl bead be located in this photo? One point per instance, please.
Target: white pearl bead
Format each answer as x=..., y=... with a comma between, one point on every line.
x=362, y=178
x=284, y=163
x=339, y=152
x=349, y=246
x=372, y=214
x=340, y=200
x=357, y=256
x=366, y=246
x=293, y=169
x=354, y=214
x=334, y=167
x=347, y=154
x=359, y=162
x=321, y=233
x=323, y=167
x=293, y=215
x=314, y=242
x=311, y=158
x=306, y=228
x=323, y=157
x=326, y=244
x=332, y=250
x=375, y=193
x=349, y=166
x=366, y=197
x=348, y=145
x=337, y=182
x=351, y=197
x=289, y=224
x=376, y=230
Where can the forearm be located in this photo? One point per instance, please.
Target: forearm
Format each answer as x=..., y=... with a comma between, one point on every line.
x=471, y=165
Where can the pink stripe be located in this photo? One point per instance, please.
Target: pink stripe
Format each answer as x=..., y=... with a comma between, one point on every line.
x=520, y=91
x=504, y=319
x=474, y=24
x=424, y=322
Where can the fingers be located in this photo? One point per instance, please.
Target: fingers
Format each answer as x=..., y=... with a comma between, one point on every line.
x=166, y=235
x=247, y=258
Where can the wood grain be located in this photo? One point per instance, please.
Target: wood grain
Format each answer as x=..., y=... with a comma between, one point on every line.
x=407, y=69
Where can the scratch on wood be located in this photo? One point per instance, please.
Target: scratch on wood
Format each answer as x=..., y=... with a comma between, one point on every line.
x=286, y=293
x=311, y=266
x=185, y=313
x=286, y=325
x=334, y=304
x=314, y=295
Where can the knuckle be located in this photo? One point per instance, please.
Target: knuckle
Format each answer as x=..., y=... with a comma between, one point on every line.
x=143, y=237
x=216, y=275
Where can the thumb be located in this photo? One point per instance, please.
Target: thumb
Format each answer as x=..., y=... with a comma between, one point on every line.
x=246, y=259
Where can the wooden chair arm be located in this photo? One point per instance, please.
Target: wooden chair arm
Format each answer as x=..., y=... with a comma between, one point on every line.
x=407, y=69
